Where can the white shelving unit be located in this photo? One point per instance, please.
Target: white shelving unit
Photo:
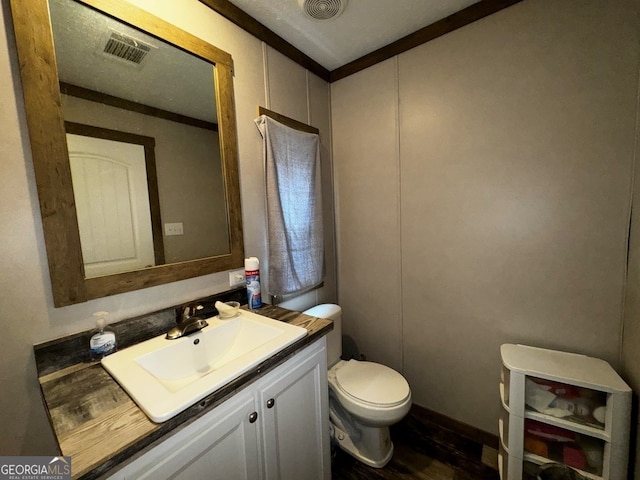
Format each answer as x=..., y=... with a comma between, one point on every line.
x=525, y=434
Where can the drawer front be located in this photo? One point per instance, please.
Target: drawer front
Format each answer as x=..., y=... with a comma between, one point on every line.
x=544, y=443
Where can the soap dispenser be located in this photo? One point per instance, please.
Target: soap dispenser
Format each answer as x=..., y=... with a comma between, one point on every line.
x=103, y=342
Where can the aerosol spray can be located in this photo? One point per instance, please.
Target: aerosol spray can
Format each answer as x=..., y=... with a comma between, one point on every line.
x=252, y=275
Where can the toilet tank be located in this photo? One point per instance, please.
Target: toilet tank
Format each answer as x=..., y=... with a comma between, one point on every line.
x=332, y=312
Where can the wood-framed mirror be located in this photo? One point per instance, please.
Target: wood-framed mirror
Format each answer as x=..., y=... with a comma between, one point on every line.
x=57, y=90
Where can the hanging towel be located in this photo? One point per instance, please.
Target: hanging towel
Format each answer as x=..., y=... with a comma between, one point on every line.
x=294, y=208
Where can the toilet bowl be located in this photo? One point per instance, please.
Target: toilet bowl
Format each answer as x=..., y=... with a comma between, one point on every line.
x=365, y=398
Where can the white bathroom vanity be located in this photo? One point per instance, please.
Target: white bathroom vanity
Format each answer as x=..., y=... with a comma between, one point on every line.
x=269, y=422
x=275, y=428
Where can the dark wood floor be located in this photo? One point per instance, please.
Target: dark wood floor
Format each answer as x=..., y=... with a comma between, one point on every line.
x=425, y=450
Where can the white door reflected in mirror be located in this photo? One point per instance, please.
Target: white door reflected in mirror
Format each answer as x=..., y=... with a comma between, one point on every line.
x=112, y=203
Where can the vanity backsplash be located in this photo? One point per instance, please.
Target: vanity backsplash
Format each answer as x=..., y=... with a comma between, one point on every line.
x=63, y=352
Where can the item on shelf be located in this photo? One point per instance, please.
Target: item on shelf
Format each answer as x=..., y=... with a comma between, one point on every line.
x=549, y=433
x=559, y=400
x=573, y=456
x=536, y=446
x=599, y=414
x=539, y=397
x=580, y=407
x=593, y=452
x=558, y=389
x=557, y=471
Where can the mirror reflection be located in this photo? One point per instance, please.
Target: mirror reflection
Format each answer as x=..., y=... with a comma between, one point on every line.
x=142, y=135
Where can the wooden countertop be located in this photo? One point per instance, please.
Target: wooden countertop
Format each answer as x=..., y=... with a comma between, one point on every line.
x=98, y=424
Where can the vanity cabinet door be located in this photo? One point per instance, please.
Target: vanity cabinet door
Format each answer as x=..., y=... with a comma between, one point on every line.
x=294, y=408
x=222, y=445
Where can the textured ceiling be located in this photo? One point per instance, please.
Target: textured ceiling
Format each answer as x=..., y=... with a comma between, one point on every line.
x=168, y=78
x=363, y=27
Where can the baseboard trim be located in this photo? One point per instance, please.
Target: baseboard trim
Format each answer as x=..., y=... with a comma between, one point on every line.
x=468, y=431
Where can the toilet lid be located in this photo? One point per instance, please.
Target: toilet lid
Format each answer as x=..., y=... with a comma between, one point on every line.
x=372, y=383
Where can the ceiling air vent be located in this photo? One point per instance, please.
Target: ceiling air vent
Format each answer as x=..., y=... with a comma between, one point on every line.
x=323, y=9
x=126, y=48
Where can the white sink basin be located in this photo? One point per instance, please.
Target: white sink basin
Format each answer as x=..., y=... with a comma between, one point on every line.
x=164, y=377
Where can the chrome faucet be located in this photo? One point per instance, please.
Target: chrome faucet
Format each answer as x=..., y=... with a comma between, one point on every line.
x=188, y=322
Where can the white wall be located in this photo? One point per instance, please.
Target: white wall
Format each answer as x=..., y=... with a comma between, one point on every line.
x=27, y=315
x=631, y=328
x=367, y=172
x=484, y=188
x=631, y=337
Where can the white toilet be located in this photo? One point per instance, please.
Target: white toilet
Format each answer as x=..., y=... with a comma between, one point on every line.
x=365, y=398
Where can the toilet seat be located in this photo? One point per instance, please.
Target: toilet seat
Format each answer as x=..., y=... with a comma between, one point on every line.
x=371, y=384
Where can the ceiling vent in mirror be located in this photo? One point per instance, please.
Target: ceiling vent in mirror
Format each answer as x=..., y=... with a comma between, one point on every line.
x=323, y=9
x=126, y=48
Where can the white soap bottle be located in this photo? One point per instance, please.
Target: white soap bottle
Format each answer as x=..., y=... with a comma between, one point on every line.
x=103, y=342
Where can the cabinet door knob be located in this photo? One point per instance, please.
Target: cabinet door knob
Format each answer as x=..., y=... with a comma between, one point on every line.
x=270, y=403
x=253, y=417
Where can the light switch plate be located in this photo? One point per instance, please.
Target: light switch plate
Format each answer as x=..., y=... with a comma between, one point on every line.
x=173, y=229
x=236, y=278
